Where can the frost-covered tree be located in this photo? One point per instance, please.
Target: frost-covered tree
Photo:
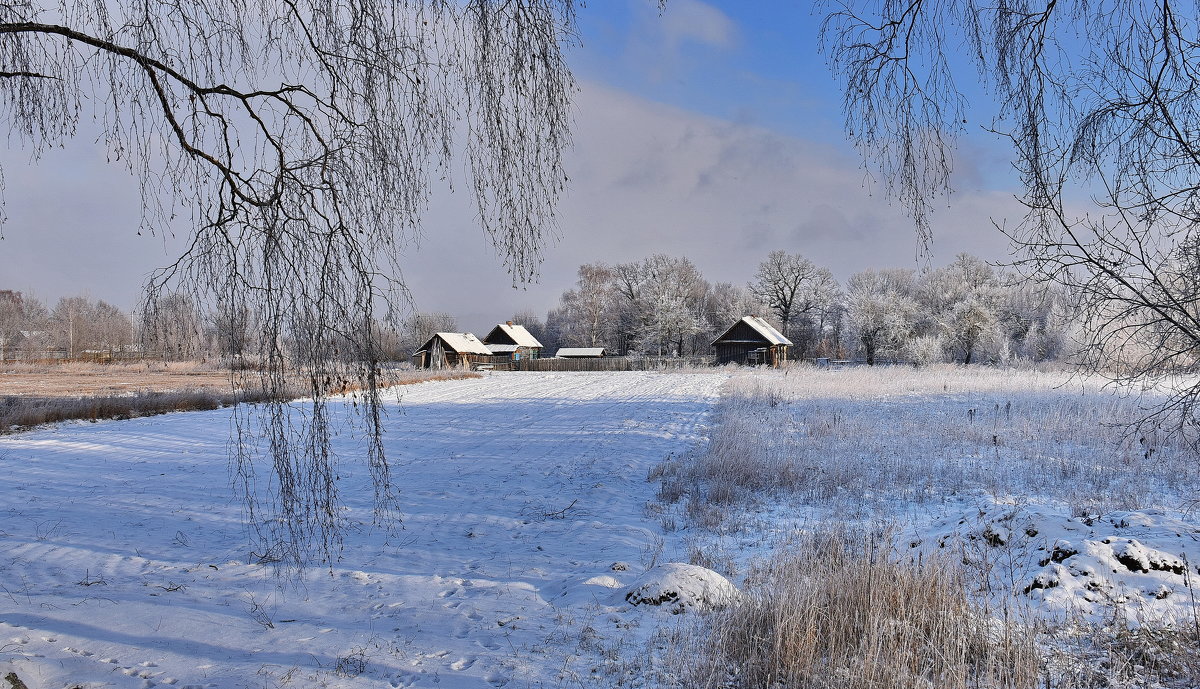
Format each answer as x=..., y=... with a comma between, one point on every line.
x=881, y=310
x=174, y=328
x=791, y=286
x=961, y=303
x=660, y=304
x=587, y=314
x=13, y=321
x=79, y=325
x=1100, y=100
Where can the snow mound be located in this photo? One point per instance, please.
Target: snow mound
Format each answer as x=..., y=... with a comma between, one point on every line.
x=1139, y=564
x=680, y=587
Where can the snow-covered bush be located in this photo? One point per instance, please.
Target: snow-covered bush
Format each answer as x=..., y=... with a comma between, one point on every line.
x=924, y=350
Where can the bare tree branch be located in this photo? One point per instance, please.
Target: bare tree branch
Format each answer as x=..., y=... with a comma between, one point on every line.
x=302, y=140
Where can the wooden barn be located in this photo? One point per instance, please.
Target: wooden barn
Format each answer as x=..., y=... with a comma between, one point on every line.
x=580, y=353
x=513, y=341
x=446, y=350
x=752, y=341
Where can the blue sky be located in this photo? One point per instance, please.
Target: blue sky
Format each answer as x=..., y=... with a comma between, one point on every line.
x=712, y=130
x=752, y=62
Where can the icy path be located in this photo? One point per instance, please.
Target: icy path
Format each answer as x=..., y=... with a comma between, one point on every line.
x=123, y=563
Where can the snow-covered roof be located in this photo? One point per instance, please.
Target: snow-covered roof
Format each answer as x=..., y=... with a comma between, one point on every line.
x=517, y=333
x=502, y=348
x=768, y=332
x=463, y=343
x=580, y=351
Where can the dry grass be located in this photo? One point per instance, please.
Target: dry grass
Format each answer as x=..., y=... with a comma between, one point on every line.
x=88, y=379
x=24, y=412
x=35, y=395
x=867, y=444
x=838, y=610
x=863, y=440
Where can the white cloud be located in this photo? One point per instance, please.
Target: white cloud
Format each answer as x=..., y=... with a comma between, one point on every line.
x=658, y=46
x=692, y=20
x=646, y=178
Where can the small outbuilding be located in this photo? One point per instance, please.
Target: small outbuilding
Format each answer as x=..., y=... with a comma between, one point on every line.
x=752, y=341
x=580, y=353
x=514, y=341
x=446, y=350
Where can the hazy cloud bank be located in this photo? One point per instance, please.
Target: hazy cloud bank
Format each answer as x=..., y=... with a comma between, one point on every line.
x=645, y=178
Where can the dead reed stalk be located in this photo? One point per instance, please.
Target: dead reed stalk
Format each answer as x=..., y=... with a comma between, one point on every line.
x=840, y=611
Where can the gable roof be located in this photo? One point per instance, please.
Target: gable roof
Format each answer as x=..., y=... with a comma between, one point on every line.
x=765, y=330
x=463, y=343
x=514, y=334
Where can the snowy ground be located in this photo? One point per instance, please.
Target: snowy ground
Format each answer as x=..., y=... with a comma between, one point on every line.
x=1031, y=479
x=123, y=562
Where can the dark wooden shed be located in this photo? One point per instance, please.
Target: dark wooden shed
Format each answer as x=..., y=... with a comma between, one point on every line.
x=752, y=341
x=447, y=350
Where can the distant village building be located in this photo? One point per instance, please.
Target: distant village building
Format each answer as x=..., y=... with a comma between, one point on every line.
x=580, y=353
x=513, y=341
x=446, y=350
x=752, y=341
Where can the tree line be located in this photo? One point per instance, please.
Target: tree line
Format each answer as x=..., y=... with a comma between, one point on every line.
x=75, y=326
x=172, y=327
x=967, y=311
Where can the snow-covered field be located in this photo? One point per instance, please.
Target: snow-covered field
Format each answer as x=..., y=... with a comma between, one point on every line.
x=528, y=518
x=123, y=561
x=1032, y=482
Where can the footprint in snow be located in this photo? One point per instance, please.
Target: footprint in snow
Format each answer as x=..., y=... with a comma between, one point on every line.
x=462, y=664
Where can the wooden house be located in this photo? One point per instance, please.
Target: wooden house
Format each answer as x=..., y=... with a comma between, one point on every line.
x=446, y=350
x=580, y=353
x=513, y=341
x=752, y=341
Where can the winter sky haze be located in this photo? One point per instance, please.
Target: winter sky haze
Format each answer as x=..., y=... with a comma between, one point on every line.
x=711, y=130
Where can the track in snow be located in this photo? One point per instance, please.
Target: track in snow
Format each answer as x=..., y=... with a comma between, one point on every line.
x=123, y=562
